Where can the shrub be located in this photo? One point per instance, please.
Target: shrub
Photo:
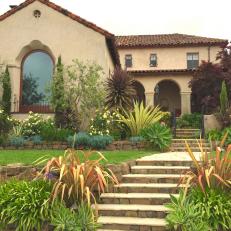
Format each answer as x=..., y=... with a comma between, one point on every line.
x=100, y=142
x=120, y=90
x=25, y=204
x=36, y=139
x=158, y=135
x=17, y=141
x=214, y=135
x=185, y=215
x=166, y=119
x=32, y=125
x=140, y=117
x=5, y=123
x=78, y=179
x=82, y=218
x=213, y=172
x=49, y=132
x=189, y=121
x=214, y=208
x=79, y=140
x=136, y=139
x=105, y=123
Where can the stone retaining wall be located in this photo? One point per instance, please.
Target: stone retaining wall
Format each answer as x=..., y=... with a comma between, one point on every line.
x=116, y=145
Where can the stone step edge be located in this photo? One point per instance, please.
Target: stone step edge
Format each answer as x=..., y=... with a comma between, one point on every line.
x=132, y=221
x=136, y=195
x=149, y=185
x=150, y=167
x=131, y=207
x=136, y=175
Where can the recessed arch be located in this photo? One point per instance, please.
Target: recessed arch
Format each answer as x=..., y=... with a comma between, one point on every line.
x=36, y=75
x=167, y=96
x=140, y=92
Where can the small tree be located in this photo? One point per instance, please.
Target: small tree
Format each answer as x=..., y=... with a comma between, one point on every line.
x=57, y=94
x=120, y=90
x=6, y=95
x=224, y=101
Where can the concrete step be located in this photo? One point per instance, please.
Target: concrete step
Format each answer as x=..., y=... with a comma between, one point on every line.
x=152, y=178
x=147, y=188
x=159, y=169
x=132, y=223
x=178, y=149
x=189, y=141
x=136, y=198
x=148, y=162
x=192, y=145
x=128, y=210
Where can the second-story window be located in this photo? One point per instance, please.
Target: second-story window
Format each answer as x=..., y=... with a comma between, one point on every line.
x=153, y=60
x=128, y=60
x=192, y=60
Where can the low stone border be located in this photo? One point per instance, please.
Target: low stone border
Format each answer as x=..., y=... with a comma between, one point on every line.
x=116, y=145
x=29, y=172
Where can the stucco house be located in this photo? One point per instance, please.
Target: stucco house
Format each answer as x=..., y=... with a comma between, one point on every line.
x=36, y=32
x=163, y=65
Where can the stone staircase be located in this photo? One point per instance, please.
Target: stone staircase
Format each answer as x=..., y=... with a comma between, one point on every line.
x=192, y=136
x=137, y=203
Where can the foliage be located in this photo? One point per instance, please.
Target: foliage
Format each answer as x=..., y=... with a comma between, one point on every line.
x=5, y=123
x=136, y=139
x=215, y=207
x=30, y=94
x=78, y=179
x=214, y=135
x=17, y=130
x=86, y=96
x=49, y=132
x=158, y=135
x=224, y=101
x=100, y=142
x=25, y=204
x=214, y=172
x=206, y=87
x=73, y=220
x=17, y=141
x=166, y=119
x=32, y=125
x=58, y=94
x=120, y=90
x=105, y=122
x=185, y=215
x=140, y=117
x=36, y=139
x=6, y=94
x=189, y=121
x=81, y=139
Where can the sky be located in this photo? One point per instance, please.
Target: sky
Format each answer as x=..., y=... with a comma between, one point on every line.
x=210, y=18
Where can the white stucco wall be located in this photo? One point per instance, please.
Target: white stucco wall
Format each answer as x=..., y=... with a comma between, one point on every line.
x=53, y=32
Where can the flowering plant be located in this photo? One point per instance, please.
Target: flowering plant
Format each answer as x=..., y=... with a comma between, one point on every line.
x=104, y=123
x=32, y=125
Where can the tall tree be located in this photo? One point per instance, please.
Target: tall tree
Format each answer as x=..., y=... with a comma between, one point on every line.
x=57, y=96
x=224, y=101
x=6, y=95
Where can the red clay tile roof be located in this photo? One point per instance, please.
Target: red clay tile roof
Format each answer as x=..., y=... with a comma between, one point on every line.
x=166, y=40
x=161, y=71
x=110, y=38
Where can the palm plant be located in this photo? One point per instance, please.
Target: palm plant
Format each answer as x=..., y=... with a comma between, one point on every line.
x=120, y=90
x=77, y=180
x=141, y=117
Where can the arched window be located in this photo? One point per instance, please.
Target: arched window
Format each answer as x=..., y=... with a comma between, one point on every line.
x=37, y=70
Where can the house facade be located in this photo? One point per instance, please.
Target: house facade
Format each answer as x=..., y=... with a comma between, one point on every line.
x=35, y=33
x=163, y=65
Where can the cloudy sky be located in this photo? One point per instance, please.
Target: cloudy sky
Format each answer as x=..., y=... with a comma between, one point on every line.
x=198, y=17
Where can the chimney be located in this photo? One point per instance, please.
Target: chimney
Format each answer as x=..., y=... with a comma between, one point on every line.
x=13, y=6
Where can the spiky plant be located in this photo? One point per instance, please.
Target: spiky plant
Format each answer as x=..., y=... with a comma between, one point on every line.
x=120, y=90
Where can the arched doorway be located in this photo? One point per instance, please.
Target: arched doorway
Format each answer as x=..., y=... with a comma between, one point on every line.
x=37, y=71
x=167, y=95
x=140, y=92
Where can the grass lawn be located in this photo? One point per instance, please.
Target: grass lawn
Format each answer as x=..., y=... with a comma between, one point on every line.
x=27, y=157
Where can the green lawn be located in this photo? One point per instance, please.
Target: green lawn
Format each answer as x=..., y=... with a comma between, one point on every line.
x=27, y=157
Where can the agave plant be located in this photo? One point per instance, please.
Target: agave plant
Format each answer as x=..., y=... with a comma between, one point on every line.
x=213, y=171
x=120, y=90
x=76, y=180
x=141, y=117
